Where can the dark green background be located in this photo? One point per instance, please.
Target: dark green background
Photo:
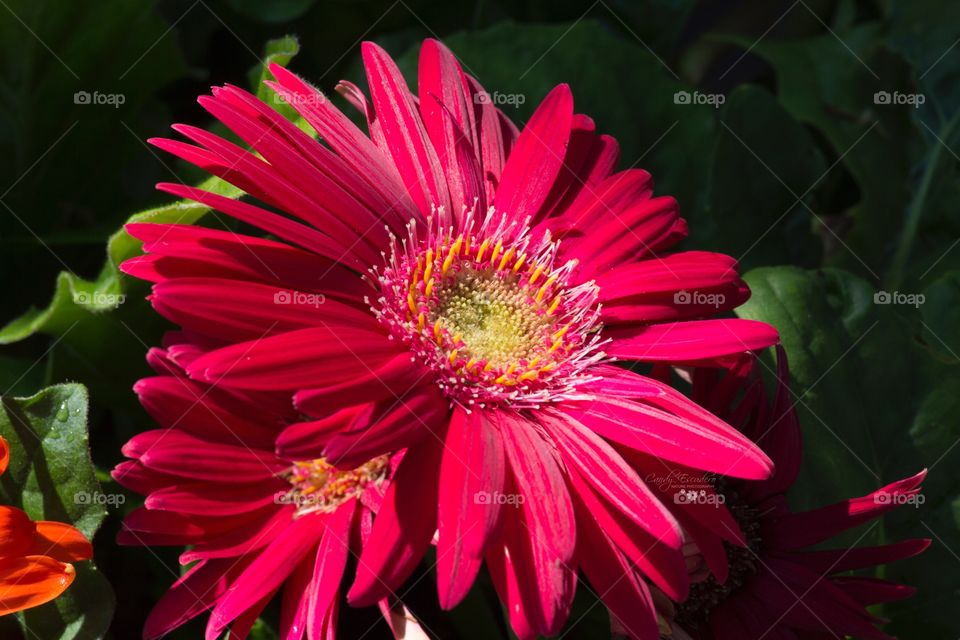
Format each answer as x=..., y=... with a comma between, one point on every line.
x=824, y=195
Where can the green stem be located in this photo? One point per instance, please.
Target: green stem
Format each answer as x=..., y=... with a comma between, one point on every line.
x=912, y=222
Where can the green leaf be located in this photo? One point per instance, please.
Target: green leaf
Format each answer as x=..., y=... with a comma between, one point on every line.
x=924, y=31
x=51, y=477
x=76, y=300
x=941, y=317
x=279, y=51
x=751, y=209
x=935, y=429
x=829, y=82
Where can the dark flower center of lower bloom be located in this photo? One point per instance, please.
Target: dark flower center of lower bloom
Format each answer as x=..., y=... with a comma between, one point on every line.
x=318, y=486
x=742, y=563
x=491, y=311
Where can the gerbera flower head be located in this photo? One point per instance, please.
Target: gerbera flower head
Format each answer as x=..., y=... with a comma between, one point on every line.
x=35, y=556
x=257, y=524
x=774, y=583
x=450, y=286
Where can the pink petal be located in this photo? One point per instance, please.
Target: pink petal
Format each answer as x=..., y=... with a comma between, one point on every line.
x=336, y=129
x=612, y=576
x=329, y=565
x=332, y=203
x=396, y=424
x=544, y=584
x=193, y=593
x=399, y=378
x=472, y=466
x=179, y=403
x=699, y=443
x=338, y=168
x=242, y=538
x=181, y=454
x=691, y=341
x=798, y=530
x=306, y=440
x=204, y=498
x=403, y=527
x=267, y=572
x=542, y=538
x=535, y=161
x=447, y=113
x=289, y=230
x=296, y=359
x=612, y=477
x=491, y=145
x=663, y=564
x=237, y=311
x=406, y=138
x=181, y=250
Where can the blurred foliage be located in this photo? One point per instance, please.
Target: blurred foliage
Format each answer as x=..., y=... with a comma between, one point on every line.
x=792, y=161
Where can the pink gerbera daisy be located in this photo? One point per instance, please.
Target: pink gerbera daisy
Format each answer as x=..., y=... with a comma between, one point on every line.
x=449, y=286
x=256, y=524
x=772, y=584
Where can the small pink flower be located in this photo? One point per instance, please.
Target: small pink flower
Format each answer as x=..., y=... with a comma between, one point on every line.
x=765, y=579
x=257, y=524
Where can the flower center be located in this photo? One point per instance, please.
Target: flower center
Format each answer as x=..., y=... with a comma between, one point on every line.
x=317, y=485
x=493, y=316
x=490, y=311
x=742, y=563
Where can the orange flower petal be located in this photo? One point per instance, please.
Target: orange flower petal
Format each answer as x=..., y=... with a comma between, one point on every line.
x=60, y=541
x=16, y=532
x=30, y=581
x=4, y=454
